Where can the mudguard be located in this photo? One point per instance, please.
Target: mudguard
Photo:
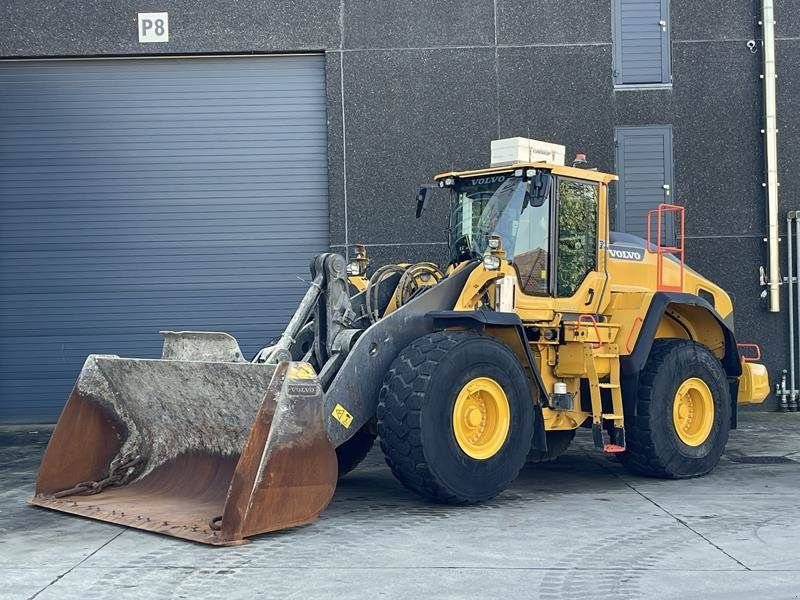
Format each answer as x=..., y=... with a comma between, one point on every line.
x=352, y=397
x=632, y=364
x=484, y=319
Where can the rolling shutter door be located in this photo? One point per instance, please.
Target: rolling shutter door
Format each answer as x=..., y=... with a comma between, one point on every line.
x=148, y=194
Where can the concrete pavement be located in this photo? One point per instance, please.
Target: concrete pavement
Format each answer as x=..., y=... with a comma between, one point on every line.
x=578, y=528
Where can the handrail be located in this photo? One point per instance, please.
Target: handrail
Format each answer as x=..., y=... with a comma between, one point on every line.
x=755, y=347
x=659, y=249
x=593, y=322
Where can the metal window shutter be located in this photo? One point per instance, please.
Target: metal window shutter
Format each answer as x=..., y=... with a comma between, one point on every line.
x=641, y=45
x=644, y=165
x=139, y=195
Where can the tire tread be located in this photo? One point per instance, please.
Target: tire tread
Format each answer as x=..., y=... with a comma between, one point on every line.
x=642, y=457
x=400, y=414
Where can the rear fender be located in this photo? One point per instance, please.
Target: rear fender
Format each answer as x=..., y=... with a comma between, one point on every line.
x=690, y=317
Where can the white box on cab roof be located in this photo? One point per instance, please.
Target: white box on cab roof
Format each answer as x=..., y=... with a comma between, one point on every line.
x=517, y=149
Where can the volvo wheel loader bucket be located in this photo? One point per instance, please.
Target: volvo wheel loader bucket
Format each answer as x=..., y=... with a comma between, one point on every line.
x=208, y=451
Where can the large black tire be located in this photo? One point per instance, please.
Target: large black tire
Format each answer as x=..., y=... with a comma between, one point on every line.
x=557, y=443
x=653, y=446
x=350, y=454
x=415, y=417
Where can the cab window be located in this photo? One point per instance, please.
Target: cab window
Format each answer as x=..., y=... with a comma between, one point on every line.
x=576, y=253
x=531, y=251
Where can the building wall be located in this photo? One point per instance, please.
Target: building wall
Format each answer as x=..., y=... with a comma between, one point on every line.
x=416, y=87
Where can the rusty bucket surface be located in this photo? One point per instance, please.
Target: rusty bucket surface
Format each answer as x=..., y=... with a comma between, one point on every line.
x=208, y=451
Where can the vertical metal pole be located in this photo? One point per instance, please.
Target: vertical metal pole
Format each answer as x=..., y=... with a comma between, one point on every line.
x=790, y=269
x=795, y=339
x=771, y=148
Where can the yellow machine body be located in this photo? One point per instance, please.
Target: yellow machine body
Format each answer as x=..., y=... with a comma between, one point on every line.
x=602, y=320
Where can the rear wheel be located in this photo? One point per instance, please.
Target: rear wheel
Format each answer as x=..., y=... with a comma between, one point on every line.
x=455, y=417
x=683, y=412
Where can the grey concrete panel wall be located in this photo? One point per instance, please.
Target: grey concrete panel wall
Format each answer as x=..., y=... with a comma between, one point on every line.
x=787, y=15
x=336, y=162
x=101, y=27
x=411, y=114
x=723, y=20
x=788, y=121
x=718, y=144
x=559, y=94
x=418, y=23
x=552, y=22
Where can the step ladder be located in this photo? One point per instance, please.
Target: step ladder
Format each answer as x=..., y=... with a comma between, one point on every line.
x=614, y=422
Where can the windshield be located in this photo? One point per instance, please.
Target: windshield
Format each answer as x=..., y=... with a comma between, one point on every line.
x=481, y=206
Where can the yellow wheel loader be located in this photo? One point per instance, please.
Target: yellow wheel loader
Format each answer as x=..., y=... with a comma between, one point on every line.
x=543, y=321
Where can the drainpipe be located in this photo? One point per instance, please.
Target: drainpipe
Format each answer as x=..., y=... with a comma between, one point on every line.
x=792, y=392
x=771, y=145
x=795, y=394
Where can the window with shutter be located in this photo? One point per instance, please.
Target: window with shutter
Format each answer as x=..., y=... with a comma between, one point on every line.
x=641, y=42
x=644, y=166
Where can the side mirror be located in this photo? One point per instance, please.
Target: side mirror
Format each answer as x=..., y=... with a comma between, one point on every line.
x=423, y=195
x=540, y=189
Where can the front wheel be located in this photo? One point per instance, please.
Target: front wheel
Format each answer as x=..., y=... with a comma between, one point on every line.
x=683, y=412
x=455, y=417
x=350, y=454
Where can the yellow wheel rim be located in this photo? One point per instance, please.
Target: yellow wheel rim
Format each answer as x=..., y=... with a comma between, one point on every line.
x=693, y=411
x=481, y=418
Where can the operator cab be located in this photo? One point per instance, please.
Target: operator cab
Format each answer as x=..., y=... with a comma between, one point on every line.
x=545, y=216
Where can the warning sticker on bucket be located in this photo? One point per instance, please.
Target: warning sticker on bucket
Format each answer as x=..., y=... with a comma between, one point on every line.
x=301, y=370
x=340, y=414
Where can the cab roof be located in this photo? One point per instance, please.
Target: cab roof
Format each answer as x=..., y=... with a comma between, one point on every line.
x=585, y=174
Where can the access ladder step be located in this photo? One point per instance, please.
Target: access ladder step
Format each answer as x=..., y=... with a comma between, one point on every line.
x=608, y=386
x=616, y=442
x=613, y=448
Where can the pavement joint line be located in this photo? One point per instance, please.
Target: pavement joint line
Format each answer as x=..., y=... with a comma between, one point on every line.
x=420, y=568
x=678, y=519
x=78, y=564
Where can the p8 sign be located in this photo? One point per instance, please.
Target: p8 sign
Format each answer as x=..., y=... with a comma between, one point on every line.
x=153, y=27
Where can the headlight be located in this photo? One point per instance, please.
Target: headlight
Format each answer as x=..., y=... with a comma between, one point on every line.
x=353, y=269
x=491, y=263
x=494, y=242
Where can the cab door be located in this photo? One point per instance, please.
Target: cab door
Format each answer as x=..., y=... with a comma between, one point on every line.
x=557, y=253
x=579, y=276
